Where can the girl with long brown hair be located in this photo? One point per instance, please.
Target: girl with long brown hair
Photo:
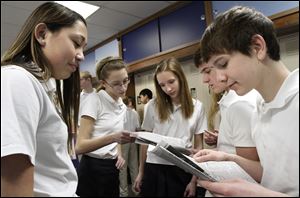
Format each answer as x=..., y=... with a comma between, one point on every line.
x=172, y=113
x=40, y=85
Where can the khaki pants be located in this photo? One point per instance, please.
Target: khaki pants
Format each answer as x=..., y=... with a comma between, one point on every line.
x=130, y=155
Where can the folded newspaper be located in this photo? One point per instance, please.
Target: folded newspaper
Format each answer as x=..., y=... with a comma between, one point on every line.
x=212, y=170
x=149, y=138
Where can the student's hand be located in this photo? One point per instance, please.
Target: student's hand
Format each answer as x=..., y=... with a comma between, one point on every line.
x=211, y=138
x=190, y=190
x=237, y=188
x=193, y=151
x=123, y=137
x=138, y=182
x=120, y=162
x=211, y=155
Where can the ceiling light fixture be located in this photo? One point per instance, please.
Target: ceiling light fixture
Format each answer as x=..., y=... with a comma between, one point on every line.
x=84, y=9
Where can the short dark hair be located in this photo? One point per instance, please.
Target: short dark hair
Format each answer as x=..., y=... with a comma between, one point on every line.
x=197, y=57
x=233, y=30
x=146, y=92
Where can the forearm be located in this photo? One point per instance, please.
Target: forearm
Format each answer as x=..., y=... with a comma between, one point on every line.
x=143, y=156
x=89, y=145
x=239, y=188
x=194, y=179
x=253, y=168
x=271, y=193
x=85, y=143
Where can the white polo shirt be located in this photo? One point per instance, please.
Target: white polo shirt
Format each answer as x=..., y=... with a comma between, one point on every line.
x=31, y=126
x=276, y=135
x=83, y=96
x=109, y=117
x=132, y=120
x=176, y=126
x=235, y=127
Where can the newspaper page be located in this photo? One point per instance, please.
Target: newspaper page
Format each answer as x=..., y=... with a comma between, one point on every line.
x=153, y=139
x=212, y=170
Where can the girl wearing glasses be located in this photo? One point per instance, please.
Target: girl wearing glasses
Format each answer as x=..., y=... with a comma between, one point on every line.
x=172, y=113
x=101, y=132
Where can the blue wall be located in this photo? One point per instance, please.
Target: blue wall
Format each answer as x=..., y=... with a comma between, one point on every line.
x=268, y=8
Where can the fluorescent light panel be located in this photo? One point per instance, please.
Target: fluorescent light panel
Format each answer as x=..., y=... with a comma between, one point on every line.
x=84, y=9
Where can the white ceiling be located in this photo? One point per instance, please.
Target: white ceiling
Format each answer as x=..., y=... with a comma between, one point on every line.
x=111, y=18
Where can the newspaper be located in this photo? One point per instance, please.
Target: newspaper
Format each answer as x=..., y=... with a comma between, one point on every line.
x=149, y=138
x=211, y=171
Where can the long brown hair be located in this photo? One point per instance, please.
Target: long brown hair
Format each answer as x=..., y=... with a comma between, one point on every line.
x=26, y=52
x=163, y=101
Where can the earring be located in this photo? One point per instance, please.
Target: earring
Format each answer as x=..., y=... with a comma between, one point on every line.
x=42, y=42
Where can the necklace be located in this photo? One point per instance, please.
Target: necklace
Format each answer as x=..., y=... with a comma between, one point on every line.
x=52, y=94
x=48, y=85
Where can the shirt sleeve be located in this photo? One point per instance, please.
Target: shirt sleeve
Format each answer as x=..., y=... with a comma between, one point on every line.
x=90, y=106
x=21, y=105
x=149, y=112
x=136, y=119
x=239, y=117
x=201, y=123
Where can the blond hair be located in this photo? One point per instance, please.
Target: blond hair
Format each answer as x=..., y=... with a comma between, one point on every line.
x=85, y=74
x=213, y=110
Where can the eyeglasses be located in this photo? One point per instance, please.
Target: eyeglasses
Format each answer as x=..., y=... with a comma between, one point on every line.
x=119, y=85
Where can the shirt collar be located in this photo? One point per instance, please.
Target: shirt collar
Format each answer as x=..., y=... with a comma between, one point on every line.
x=119, y=102
x=85, y=93
x=177, y=107
x=287, y=91
x=227, y=98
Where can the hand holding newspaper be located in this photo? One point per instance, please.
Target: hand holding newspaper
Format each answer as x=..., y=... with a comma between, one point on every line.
x=212, y=170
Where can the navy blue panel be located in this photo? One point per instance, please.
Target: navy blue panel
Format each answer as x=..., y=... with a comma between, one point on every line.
x=183, y=25
x=141, y=42
x=268, y=8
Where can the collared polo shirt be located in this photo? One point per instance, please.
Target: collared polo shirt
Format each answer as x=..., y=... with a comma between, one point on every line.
x=109, y=116
x=235, y=127
x=32, y=126
x=276, y=134
x=177, y=126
